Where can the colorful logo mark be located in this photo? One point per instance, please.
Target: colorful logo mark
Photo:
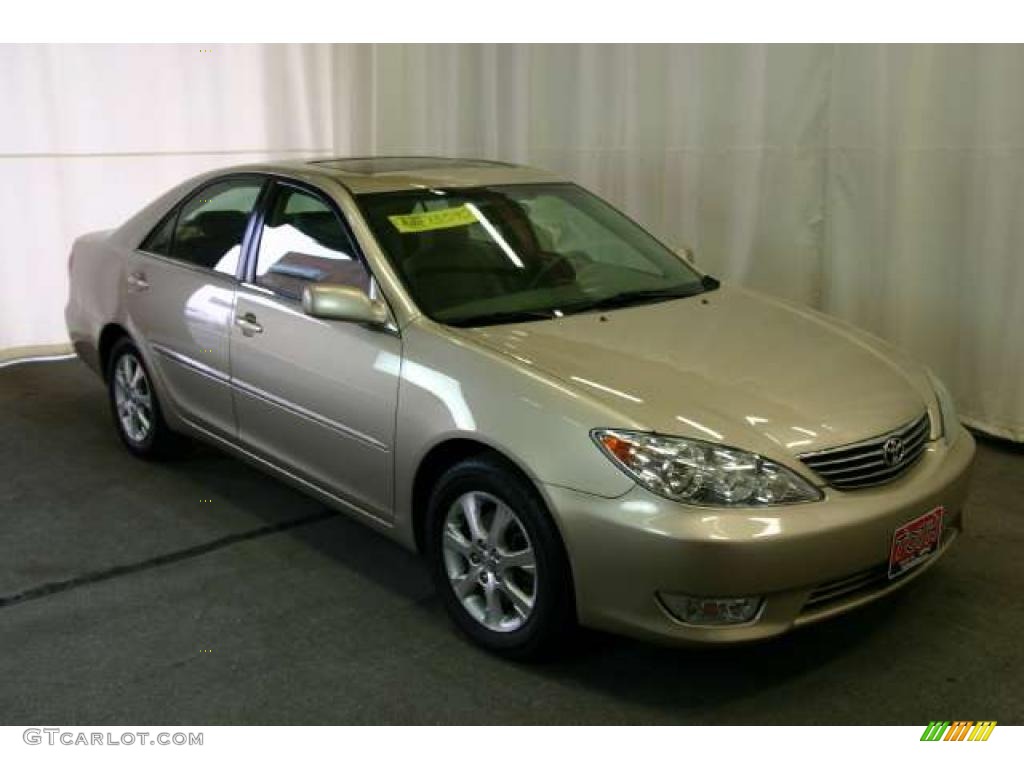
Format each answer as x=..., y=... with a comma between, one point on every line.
x=960, y=730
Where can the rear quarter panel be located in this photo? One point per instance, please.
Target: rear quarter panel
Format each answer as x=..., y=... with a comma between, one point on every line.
x=96, y=265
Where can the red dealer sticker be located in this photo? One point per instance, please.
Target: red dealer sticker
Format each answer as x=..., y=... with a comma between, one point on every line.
x=915, y=542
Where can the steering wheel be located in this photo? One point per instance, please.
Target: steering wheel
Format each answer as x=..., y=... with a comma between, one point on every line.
x=559, y=258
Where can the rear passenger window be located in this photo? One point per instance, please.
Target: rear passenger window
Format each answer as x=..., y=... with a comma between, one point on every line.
x=212, y=224
x=160, y=239
x=303, y=241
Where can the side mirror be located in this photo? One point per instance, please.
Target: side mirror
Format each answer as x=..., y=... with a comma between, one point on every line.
x=329, y=301
x=686, y=253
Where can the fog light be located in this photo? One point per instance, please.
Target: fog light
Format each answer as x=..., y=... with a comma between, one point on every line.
x=712, y=611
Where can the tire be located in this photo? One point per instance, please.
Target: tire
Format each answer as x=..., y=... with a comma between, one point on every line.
x=485, y=577
x=135, y=405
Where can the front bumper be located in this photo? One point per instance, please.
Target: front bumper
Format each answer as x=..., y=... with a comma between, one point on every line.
x=809, y=561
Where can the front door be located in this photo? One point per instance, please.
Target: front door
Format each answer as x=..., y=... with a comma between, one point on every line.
x=314, y=396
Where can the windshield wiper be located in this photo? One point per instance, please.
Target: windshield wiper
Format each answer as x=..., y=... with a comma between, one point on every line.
x=498, y=318
x=622, y=299
x=631, y=298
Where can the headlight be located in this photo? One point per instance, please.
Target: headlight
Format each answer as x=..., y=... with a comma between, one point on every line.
x=707, y=474
x=948, y=420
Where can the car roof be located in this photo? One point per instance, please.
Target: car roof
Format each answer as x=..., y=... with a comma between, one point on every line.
x=394, y=173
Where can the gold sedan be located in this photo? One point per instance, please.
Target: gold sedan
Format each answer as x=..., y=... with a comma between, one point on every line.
x=496, y=368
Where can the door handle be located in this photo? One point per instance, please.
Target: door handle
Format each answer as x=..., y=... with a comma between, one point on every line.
x=137, y=281
x=248, y=324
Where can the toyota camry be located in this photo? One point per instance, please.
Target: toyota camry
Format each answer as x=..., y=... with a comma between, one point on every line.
x=571, y=421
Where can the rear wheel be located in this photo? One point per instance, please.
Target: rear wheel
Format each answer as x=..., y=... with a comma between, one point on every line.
x=136, y=407
x=498, y=560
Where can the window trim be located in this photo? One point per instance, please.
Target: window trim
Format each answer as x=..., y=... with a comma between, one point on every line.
x=175, y=212
x=251, y=254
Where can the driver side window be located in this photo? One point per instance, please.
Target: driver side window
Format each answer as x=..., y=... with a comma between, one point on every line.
x=303, y=241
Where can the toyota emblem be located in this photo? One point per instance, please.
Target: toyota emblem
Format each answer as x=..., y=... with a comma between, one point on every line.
x=893, y=451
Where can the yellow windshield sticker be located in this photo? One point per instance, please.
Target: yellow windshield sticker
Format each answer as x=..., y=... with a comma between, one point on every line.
x=459, y=216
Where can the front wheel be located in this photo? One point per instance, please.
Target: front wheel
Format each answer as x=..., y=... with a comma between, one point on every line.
x=498, y=560
x=134, y=402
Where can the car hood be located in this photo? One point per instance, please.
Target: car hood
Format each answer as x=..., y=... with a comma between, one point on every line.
x=730, y=366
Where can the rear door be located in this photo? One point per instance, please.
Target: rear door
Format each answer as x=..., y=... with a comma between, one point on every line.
x=315, y=396
x=180, y=288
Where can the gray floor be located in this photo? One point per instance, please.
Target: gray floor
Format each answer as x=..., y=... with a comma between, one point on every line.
x=125, y=598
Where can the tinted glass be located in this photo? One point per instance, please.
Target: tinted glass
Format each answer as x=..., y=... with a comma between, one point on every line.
x=476, y=256
x=212, y=224
x=303, y=242
x=160, y=239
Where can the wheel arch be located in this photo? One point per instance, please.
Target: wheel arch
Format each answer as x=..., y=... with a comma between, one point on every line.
x=109, y=336
x=446, y=454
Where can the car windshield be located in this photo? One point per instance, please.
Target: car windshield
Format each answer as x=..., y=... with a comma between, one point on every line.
x=486, y=255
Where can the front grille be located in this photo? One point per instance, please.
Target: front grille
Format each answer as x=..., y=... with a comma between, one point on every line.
x=868, y=463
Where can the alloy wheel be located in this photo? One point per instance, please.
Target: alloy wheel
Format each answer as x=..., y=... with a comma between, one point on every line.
x=490, y=561
x=133, y=398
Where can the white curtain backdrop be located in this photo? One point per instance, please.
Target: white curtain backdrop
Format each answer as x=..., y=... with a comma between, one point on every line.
x=883, y=184
x=91, y=133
